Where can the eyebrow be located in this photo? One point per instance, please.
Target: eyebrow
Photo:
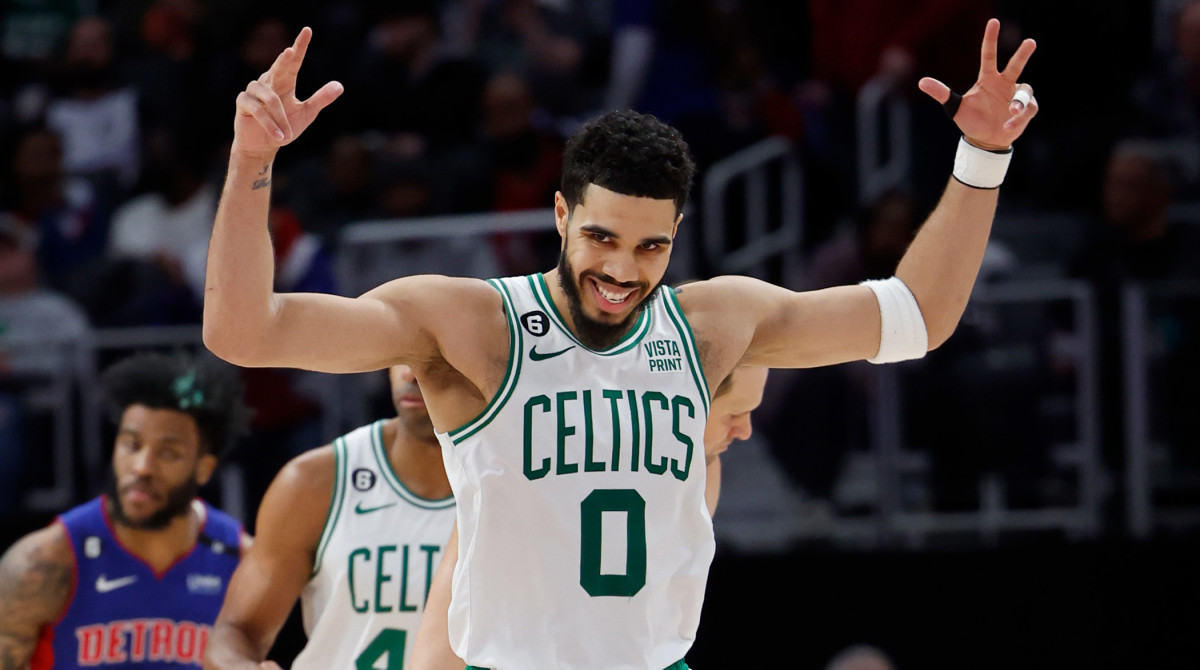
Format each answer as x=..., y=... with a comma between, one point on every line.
x=601, y=230
x=133, y=432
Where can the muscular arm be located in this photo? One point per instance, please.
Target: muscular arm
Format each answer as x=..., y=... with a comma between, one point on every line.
x=36, y=581
x=246, y=322
x=432, y=651
x=275, y=569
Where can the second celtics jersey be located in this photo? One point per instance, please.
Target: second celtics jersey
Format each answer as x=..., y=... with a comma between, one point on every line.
x=374, y=563
x=584, y=541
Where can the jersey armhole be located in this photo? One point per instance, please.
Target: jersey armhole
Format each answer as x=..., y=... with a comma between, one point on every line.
x=516, y=345
x=335, y=502
x=691, y=350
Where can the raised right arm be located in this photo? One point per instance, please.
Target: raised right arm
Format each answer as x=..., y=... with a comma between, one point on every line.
x=36, y=580
x=275, y=569
x=247, y=323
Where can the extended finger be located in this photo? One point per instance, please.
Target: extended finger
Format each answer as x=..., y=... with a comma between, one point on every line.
x=324, y=95
x=987, y=53
x=273, y=104
x=298, y=49
x=1016, y=64
x=252, y=106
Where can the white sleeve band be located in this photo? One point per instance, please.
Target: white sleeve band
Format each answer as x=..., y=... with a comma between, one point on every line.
x=902, y=334
x=980, y=168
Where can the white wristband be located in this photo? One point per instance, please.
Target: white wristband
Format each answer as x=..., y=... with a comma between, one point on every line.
x=980, y=168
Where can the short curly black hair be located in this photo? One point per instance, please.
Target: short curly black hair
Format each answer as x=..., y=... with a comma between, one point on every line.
x=203, y=387
x=628, y=153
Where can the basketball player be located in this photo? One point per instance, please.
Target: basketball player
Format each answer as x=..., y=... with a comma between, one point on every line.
x=571, y=404
x=355, y=530
x=134, y=578
x=729, y=419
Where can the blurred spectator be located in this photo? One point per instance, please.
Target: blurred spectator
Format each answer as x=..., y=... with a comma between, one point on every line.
x=550, y=44
x=1135, y=240
x=406, y=85
x=174, y=217
x=32, y=34
x=336, y=190
x=1167, y=98
x=95, y=114
x=525, y=162
x=161, y=60
x=40, y=332
x=71, y=223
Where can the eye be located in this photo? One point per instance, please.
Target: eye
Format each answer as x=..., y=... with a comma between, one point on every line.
x=651, y=246
x=600, y=237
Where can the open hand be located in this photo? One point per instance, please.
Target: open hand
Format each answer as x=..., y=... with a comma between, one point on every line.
x=269, y=115
x=988, y=116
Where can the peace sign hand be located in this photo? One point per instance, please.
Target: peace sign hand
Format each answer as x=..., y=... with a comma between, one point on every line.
x=988, y=115
x=269, y=115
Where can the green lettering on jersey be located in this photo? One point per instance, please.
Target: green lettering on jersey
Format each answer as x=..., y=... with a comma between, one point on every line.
x=381, y=578
x=366, y=554
x=564, y=431
x=530, y=472
x=613, y=397
x=676, y=403
x=404, y=606
x=648, y=397
x=589, y=464
x=635, y=445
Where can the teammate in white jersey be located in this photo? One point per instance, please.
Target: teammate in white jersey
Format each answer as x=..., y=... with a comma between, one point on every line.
x=571, y=404
x=355, y=529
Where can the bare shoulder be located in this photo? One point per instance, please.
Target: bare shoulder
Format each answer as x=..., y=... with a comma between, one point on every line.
x=723, y=312
x=294, y=508
x=36, y=579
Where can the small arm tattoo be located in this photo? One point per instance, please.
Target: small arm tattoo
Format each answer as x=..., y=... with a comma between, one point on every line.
x=261, y=182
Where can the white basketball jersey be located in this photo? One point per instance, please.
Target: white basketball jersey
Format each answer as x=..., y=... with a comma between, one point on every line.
x=374, y=563
x=584, y=541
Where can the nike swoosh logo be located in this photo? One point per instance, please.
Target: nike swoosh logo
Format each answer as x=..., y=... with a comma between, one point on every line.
x=359, y=509
x=534, y=355
x=105, y=585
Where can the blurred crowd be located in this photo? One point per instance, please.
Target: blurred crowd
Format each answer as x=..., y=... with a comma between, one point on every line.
x=115, y=122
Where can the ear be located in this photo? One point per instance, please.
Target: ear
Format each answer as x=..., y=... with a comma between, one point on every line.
x=675, y=228
x=562, y=214
x=206, y=465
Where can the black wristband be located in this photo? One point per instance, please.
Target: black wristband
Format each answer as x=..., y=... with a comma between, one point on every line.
x=951, y=105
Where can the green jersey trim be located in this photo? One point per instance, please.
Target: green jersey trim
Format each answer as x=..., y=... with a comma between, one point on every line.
x=335, y=501
x=689, y=344
x=542, y=292
x=385, y=466
x=515, y=343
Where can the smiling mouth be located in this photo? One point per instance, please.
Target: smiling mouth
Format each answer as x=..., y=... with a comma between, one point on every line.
x=610, y=299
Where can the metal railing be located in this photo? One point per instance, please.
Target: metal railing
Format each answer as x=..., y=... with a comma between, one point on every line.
x=762, y=241
x=879, y=108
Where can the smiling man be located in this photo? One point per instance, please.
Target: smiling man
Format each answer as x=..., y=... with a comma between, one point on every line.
x=135, y=578
x=571, y=404
x=355, y=530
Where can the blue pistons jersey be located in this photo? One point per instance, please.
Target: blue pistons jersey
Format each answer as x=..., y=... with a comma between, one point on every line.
x=125, y=614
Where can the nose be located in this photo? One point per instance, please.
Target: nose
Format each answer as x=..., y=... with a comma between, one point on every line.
x=741, y=429
x=142, y=462
x=405, y=374
x=621, y=268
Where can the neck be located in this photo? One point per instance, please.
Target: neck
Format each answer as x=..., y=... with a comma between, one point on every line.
x=416, y=462
x=162, y=547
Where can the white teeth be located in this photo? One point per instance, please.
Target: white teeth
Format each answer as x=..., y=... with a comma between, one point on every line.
x=612, y=297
